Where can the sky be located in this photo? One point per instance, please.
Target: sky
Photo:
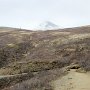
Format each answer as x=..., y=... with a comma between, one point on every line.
x=30, y=13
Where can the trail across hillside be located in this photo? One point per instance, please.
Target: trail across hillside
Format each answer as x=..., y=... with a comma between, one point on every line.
x=8, y=76
x=73, y=81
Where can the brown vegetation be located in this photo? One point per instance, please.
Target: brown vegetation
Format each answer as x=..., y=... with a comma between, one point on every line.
x=24, y=51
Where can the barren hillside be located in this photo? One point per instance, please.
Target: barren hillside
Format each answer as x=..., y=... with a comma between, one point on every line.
x=44, y=54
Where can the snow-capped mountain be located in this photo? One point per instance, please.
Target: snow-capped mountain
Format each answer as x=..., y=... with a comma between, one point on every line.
x=47, y=26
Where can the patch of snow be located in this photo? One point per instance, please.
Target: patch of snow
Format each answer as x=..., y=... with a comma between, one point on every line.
x=47, y=26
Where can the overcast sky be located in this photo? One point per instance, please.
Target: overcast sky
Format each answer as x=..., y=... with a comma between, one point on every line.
x=29, y=13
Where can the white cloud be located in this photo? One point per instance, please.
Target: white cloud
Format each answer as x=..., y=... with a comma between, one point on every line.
x=28, y=13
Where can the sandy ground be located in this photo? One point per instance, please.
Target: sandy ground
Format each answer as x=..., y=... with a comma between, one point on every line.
x=73, y=81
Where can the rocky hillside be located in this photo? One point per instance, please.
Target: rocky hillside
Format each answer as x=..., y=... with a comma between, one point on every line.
x=25, y=51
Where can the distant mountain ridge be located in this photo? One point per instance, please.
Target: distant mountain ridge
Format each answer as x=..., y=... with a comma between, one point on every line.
x=47, y=25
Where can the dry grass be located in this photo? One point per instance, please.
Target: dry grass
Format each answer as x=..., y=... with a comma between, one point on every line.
x=41, y=81
x=44, y=52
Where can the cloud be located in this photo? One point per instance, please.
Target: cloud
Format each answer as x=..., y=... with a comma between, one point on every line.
x=63, y=12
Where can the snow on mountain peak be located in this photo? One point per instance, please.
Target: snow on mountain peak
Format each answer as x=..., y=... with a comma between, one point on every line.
x=47, y=25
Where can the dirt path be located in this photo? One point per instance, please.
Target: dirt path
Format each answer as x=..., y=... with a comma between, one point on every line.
x=7, y=76
x=73, y=81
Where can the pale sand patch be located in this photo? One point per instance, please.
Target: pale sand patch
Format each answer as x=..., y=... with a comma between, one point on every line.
x=11, y=45
x=3, y=31
x=73, y=81
x=25, y=32
x=79, y=36
x=60, y=33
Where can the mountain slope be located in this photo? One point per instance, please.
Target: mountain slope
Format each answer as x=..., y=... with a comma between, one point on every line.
x=43, y=52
